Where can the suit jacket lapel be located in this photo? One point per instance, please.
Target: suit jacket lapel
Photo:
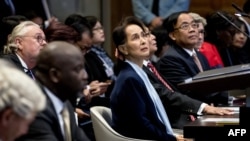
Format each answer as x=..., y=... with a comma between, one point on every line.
x=52, y=112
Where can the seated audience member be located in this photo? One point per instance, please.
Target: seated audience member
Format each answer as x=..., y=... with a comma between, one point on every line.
x=161, y=42
x=24, y=44
x=99, y=64
x=60, y=71
x=207, y=49
x=19, y=104
x=95, y=89
x=137, y=110
x=240, y=43
x=6, y=26
x=181, y=109
x=61, y=32
x=181, y=61
x=80, y=24
x=228, y=39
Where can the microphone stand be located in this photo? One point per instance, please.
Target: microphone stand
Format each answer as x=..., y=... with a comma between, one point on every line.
x=235, y=26
x=241, y=12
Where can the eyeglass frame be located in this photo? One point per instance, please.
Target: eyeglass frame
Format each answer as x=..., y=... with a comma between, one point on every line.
x=187, y=26
x=38, y=38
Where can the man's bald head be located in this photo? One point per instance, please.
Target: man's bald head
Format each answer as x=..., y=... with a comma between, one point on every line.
x=60, y=68
x=56, y=53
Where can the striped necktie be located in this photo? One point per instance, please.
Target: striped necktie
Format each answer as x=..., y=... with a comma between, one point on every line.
x=197, y=62
x=153, y=69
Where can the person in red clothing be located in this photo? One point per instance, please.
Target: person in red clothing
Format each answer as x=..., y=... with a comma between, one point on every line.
x=210, y=51
x=207, y=49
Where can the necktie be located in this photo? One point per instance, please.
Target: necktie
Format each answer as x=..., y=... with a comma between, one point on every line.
x=197, y=62
x=66, y=124
x=151, y=66
x=29, y=72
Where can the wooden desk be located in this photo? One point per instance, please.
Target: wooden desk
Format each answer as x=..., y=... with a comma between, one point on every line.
x=238, y=80
x=199, y=122
x=202, y=131
x=208, y=131
x=223, y=82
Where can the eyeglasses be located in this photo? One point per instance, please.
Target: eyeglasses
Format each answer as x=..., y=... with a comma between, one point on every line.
x=186, y=26
x=38, y=38
x=97, y=28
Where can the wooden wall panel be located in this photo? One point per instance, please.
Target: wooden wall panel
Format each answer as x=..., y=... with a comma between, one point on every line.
x=119, y=9
x=204, y=7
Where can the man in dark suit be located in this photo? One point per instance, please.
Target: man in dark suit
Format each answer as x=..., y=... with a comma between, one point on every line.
x=62, y=76
x=26, y=41
x=178, y=65
x=180, y=108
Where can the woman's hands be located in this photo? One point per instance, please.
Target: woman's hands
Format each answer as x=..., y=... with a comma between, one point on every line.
x=95, y=88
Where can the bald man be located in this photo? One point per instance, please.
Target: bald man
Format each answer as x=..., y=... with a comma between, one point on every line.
x=62, y=76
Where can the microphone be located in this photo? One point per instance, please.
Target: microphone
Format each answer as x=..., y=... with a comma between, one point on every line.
x=241, y=12
x=235, y=26
x=237, y=8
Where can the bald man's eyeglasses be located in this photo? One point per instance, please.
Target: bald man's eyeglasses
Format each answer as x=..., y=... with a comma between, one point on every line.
x=186, y=26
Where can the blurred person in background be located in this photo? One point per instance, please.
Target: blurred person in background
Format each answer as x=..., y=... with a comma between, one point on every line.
x=153, y=12
x=19, y=104
x=7, y=24
x=207, y=49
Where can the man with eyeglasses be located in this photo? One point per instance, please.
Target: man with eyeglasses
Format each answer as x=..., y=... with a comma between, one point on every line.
x=24, y=45
x=181, y=61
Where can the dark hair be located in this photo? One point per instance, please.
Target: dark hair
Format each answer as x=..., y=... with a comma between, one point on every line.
x=73, y=18
x=60, y=32
x=119, y=35
x=79, y=23
x=92, y=20
x=216, y=23
x=6, y=26
x=170, y=22
x=31, y=15
x=238, y=22
x=162, y=38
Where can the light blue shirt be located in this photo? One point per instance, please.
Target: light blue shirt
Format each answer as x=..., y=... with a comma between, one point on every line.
x=58, y=105
x=142, y=8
